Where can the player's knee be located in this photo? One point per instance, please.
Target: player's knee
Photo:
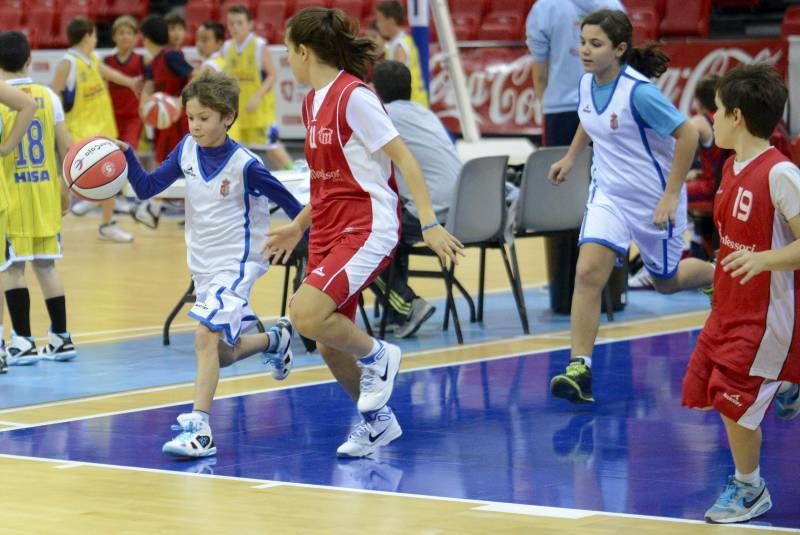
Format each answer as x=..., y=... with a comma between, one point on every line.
x=589, y=275
x=305, y=319
x=226, y=354
x=666, y=286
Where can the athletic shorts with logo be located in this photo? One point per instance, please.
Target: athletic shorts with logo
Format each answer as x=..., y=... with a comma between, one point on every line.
x=741, y=397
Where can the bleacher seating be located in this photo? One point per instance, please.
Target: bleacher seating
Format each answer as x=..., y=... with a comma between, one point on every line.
x=646, y=27
x=686, y=19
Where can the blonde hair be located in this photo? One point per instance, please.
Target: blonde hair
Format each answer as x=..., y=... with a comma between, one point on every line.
x=125, y=21
x=215, y=90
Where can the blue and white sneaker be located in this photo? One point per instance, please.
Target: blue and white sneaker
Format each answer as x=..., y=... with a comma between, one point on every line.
x=739, y=502
x=787, y=405
x=3, y=363
x=21, y=351
x=280, y=362
x=195, y=439
x=377, y=378
x=365, y=438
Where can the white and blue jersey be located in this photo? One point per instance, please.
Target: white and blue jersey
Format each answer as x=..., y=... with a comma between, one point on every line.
x=630, y=124
x=227, y=218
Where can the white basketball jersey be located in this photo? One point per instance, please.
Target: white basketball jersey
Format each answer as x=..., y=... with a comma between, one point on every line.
x=631, y=162
x=226, y=227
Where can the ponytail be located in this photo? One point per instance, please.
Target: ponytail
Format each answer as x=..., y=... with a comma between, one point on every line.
x=650, y=61
x=333, y=38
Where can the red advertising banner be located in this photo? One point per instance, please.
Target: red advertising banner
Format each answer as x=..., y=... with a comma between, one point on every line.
x=500, y=86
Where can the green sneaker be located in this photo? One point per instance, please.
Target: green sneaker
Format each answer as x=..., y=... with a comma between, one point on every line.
x=575, y=384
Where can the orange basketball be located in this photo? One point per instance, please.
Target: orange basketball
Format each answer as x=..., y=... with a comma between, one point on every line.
x=95, y=169
x=160, y=110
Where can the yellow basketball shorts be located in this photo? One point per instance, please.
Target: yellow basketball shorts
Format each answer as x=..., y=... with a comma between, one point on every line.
x=25, y=248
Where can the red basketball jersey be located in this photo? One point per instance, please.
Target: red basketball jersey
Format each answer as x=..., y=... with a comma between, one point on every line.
x=351, y=190
x=125, y=101
x=753, y=328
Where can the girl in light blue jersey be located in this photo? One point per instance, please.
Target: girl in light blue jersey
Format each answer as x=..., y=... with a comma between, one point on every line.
x=643, y=147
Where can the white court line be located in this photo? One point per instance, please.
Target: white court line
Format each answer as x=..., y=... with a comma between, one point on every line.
x=5, y=422
x=67, y=466
x=314, y=383
x=479, y=505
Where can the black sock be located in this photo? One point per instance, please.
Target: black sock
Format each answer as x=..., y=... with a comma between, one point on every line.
x=57, y=309
x=19, y=308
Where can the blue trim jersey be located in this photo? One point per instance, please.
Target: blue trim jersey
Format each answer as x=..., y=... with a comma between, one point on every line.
x=632, y=161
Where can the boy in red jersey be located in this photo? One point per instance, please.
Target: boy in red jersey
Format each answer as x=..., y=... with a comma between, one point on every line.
x=167, y=72
x=749, y=350
x=124, y=32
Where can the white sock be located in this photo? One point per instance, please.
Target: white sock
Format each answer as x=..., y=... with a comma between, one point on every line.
x=272, y=341
x=376, y=346
x=753, y=478
x=785, y=385
x=586, y=360
x=202, y=414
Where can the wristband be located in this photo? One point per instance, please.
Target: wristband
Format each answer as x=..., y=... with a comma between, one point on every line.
x=430, y=226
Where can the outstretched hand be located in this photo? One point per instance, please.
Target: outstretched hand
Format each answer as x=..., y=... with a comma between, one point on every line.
x=745, y=264
x=281, y=242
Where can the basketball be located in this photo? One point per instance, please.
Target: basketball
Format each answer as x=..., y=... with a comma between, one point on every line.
x=95, y=169
x=160, y=110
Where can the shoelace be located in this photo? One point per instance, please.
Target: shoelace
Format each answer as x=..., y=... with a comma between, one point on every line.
x=367, y=380
x=360, y=430
x=575, y=368
x=189, y=428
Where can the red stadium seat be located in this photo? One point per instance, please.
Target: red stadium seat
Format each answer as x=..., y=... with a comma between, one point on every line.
x=197, y=12
x=509, y=7
x=354, y=9
x=790, y=27
x=502, y=27
x=273, y=10
x=645, y=25
x=656, y=6
x=465, y=27
x=686, y=19
x=302, y=4
x=43, y=16
x=737, y=4
x=138, y=9
x=227, y=4
x=11, y=17
x=473, y=8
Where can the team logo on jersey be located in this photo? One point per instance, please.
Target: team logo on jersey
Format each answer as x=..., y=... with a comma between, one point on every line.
x=614, y=121
x=733, y=398
x=587, y=109
x=225, y=187
x=325, y=136
x=189, y=171
x=320, y=272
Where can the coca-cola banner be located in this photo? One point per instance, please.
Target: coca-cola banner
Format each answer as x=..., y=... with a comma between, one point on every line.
x=501, y=90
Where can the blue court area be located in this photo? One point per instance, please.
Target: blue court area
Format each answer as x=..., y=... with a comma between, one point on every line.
x=145, y=363
x=485, y=431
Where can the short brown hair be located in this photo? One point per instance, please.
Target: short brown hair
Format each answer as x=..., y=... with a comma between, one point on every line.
x=78, y=28
x=214, y=90
x=392, y=9
x=706, y=90
x=760, y=94
x=125, y=21
x=174, y=18
x=240, y=10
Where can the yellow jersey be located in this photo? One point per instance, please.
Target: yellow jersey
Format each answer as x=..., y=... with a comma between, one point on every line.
x=31, y=172
x=402, y=40
x=216, y=62
x=243, y=62
x=91, y=113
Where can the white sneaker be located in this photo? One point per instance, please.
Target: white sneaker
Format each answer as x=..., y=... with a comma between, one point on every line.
x=641, y=280
x=365, y=438
x=122, y=205
x=21, y=351
x=195, y=439
x=112, y=232
x=3, y=363
x=81, y=208
x=280, y=362
x=59, y=347
x=377, y=378
x=147, y=213
x=787, y=404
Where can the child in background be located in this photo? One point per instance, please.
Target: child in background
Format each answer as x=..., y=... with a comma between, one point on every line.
x=125, y=32
x=176, y=27
x=209, y=41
